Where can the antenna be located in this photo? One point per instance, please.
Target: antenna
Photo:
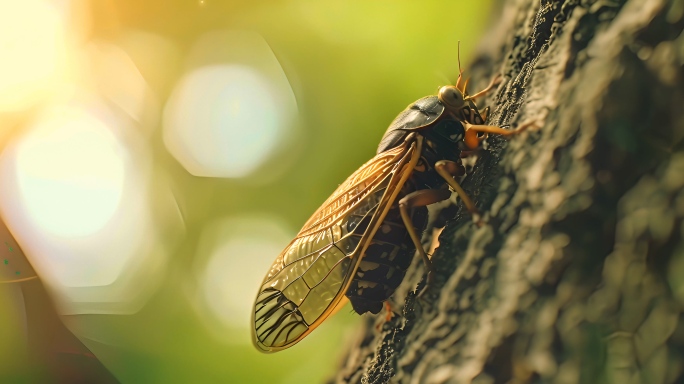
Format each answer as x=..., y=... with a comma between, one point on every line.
x=460, y=71
x=459, y=57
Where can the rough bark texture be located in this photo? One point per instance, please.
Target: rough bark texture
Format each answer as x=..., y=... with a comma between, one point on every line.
x=578, y=275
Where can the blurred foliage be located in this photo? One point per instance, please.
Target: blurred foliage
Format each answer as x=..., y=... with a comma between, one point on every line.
x=353, y=66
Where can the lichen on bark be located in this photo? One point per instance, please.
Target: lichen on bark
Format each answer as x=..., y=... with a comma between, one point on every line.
x=578, y=274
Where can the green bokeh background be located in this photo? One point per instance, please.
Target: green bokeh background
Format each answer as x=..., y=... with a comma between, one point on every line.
x=353, y=66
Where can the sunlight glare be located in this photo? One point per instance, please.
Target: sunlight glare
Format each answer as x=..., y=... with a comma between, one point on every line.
x=222, y=121
x=76, y=196
x=70, y=173
x=32, y=52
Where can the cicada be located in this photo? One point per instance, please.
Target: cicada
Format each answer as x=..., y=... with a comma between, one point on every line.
x=358, y=245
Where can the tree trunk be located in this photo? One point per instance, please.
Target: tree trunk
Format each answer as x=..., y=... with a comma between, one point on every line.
x=578, y=274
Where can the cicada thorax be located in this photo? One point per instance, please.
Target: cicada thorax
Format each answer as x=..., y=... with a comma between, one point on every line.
x=441, y=126
x=421, y=113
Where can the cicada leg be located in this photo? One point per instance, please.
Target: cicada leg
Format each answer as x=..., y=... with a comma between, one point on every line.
x=495, y=130
x=471, y=114
x=389, y=313
x=495, y=81
x=447, y=169
x=420, y=198
x=472, y=139
x=485, y=113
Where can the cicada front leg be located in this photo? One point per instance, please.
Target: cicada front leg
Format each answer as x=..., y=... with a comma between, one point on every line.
x=495, y=130
x=474, y=134
x=484, y=114
x=495, y=81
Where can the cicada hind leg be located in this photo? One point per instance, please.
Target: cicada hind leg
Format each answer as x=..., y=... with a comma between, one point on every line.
x=424, y=197
x=421, y=198
x=389, y=314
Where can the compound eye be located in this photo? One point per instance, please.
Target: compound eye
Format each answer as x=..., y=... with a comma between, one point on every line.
x=451, y=96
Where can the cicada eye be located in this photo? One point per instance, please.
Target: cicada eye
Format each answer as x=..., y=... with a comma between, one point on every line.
x=451, y=96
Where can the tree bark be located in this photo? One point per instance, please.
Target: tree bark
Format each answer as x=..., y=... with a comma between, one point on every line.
x=578, y=274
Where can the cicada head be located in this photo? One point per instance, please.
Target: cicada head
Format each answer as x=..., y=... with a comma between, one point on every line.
x=452, y=97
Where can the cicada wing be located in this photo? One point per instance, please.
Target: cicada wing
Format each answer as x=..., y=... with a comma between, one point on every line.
x=308, y=279
x=356, y=188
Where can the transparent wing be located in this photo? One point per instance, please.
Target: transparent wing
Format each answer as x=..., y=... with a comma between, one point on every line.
x=309, y=277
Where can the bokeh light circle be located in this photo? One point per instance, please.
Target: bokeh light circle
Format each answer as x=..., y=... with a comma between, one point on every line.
x=76, y=198
x=70, y=173
x=222, y=121
x=234, y=253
